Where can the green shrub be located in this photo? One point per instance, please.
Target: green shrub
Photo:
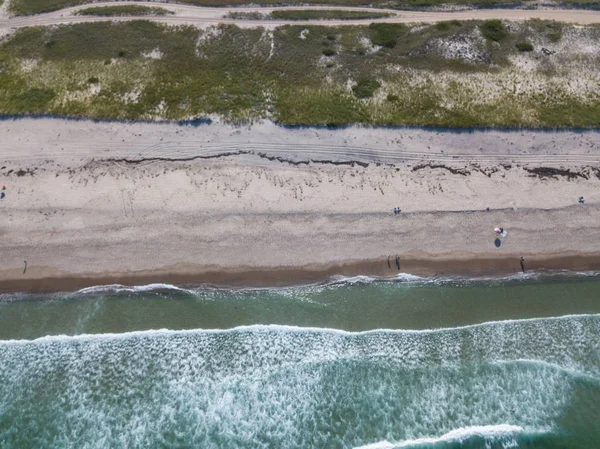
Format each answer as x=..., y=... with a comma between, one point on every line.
x=331, y=37
x=34, y=100
x=493, y=30
x=392, y=97
x=524, y=46
x=554, y=36
x=447, y=26
x=93, y=80
x=366, y=87
x=328, y=51
x=245, y=15
x=386, y=34
x=320, y=14
x=123, y=10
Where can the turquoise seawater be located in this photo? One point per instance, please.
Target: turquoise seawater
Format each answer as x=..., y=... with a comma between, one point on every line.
x=504, y=363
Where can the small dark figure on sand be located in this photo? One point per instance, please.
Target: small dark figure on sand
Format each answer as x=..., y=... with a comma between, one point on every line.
x=25, y=267
x=398, y=262
x=523, y=264
x=389, y=266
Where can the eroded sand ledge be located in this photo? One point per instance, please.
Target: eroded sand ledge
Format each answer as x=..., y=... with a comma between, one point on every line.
x=94, y=203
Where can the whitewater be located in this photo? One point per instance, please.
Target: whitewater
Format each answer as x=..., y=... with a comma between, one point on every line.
x=110, y=379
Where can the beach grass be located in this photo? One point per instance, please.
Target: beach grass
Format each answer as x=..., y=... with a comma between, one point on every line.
x=331, y=14
x=123, y=10
x=430, y=75
x=27, y=7
x=308, y=14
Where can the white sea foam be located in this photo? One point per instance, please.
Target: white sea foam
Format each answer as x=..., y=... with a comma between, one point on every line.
x=339, y=280
x=505, y=432
x=407, y=277
x=117, y=288
x=287, y=387
x=296, y=329
x=351, y=280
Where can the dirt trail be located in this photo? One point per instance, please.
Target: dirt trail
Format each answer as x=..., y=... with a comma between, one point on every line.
x=204, y=16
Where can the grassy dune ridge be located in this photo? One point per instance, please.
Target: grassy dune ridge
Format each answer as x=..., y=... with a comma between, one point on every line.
x=308, y=14
x=446, y=74
x=123, y=10
x=28, y=7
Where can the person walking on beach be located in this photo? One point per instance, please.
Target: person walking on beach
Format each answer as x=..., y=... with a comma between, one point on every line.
x=389, y=266
x=398, y=262
x=25, y=267
x=522, y=264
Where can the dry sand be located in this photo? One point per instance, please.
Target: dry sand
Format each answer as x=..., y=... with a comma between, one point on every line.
x=89, y=203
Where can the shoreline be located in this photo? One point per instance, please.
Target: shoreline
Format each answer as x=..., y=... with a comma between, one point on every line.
x=269, y=206
x=296, y=276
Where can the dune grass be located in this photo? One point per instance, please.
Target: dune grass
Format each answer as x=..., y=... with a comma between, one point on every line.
x=145, y=71
x=123, y=10
x=308, y=14
x=330, y=14
x=27, y=7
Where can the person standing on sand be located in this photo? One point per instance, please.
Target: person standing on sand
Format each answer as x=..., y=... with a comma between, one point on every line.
x=522, y=264
x=25, y=268
x=389, y=266
x=398, y=262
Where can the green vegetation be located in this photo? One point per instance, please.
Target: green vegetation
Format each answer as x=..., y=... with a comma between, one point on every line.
x=141, y=70
x=241, y=15
x=448, y=25
x=552, y=30
x=322, y=14
x=366, y=87
x=387, y=34
x=524, y=46
x=308, y=14
x=123, y=10
x=494, y=30
x=26, y=7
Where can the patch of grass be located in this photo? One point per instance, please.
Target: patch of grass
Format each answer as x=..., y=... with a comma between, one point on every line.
x=244, y=74
x=365, y=87
x=448, y=25
x=323, y=14
x=123, y=10
x=386, y=34
x=493, y=30
x=328, y=51
x=524, y=46
x=28, y=7
x=33, y=100
x=241, y=15
x=551, y=29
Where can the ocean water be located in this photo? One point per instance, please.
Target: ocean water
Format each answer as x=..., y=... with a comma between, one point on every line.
x=354, y=363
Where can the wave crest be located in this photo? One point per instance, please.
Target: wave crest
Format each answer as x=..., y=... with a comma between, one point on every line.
x=504, y=434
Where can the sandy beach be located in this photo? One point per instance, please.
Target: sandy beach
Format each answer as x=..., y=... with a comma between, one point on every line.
x=90, y=203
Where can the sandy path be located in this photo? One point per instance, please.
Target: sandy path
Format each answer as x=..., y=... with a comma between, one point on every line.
x=204, y=16
x=105, y=202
